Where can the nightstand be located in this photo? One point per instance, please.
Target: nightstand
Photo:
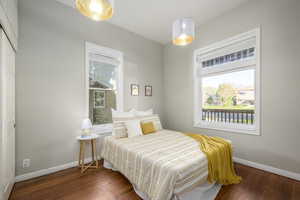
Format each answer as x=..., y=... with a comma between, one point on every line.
x=83, y=140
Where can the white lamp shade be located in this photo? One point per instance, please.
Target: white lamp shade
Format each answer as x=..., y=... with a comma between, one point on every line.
x=183, y=31
x=86, y=124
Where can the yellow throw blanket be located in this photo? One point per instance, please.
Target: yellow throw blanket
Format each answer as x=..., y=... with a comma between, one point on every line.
x=219, y=155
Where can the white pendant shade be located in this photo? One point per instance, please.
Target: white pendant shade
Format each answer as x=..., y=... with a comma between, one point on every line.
x=183, y=31
x=96, y=9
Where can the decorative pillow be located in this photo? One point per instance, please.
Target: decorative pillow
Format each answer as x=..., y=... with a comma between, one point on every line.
x=148, y=128
x=119, y=119
x=154, y=119
x=133, y=128
x=142, y=113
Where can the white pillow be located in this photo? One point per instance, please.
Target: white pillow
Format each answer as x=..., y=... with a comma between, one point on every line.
x=142, y=113
x=133, y=128
x=119, y=114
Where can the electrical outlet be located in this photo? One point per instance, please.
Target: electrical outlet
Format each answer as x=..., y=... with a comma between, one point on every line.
x=26, y=163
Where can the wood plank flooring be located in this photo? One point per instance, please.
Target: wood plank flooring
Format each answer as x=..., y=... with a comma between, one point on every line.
x=103, y=184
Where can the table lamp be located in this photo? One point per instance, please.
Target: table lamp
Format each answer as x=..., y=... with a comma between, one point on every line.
x=86, y=127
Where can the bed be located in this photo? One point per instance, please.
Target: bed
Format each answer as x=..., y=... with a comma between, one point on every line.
x=161, y=166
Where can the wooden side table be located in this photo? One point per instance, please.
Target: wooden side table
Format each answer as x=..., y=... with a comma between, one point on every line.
x=83, y=140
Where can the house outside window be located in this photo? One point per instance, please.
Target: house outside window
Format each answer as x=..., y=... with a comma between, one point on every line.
x=104, y=85
x=99, y=98
x=227, y=84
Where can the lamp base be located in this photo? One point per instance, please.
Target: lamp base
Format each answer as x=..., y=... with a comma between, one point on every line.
x=86, y=133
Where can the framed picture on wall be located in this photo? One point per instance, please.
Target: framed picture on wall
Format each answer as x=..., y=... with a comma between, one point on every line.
x=148, y=90
x=134, y=89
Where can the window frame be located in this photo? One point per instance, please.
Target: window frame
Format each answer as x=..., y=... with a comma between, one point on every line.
x=112, y=54
x=227, y=68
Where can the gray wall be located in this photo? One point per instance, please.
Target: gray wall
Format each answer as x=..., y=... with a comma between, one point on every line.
x=50, y=100
x=50, y=93
x=279, y=144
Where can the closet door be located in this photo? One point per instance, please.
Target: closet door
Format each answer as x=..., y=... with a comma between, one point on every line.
x=7, y=105
x=9, y=19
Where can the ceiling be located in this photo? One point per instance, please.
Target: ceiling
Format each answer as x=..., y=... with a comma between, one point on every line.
x=153, y=18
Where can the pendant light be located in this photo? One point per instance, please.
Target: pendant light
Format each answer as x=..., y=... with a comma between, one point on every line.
x=183, y=32
x=96, y=9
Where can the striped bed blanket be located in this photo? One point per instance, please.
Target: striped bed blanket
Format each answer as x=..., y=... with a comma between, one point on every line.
x=159, y=164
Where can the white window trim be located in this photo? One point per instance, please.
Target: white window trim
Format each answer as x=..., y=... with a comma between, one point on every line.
x=236, y=128
x=116, y=55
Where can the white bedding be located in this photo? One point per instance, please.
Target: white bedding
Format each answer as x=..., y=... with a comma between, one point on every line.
x=160, y=165
x=205, y=191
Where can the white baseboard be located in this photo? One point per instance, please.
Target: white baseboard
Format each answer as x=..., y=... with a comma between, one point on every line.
x=7, y=190
x=43, y=172
x=268, y=168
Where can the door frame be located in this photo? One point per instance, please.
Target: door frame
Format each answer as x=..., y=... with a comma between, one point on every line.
x=7, y=130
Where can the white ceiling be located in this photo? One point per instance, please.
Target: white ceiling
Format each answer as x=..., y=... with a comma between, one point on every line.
x=153, y=18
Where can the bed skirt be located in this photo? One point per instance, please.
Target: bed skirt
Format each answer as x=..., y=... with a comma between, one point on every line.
x=205, y=191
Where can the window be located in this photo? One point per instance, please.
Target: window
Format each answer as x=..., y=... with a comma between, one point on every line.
x=226, y=85
x=104, y=85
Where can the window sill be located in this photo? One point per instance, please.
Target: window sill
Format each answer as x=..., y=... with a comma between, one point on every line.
x=213, y=126
x=102, y=130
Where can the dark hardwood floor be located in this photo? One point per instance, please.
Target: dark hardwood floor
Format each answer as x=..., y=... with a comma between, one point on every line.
x=103, y=184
